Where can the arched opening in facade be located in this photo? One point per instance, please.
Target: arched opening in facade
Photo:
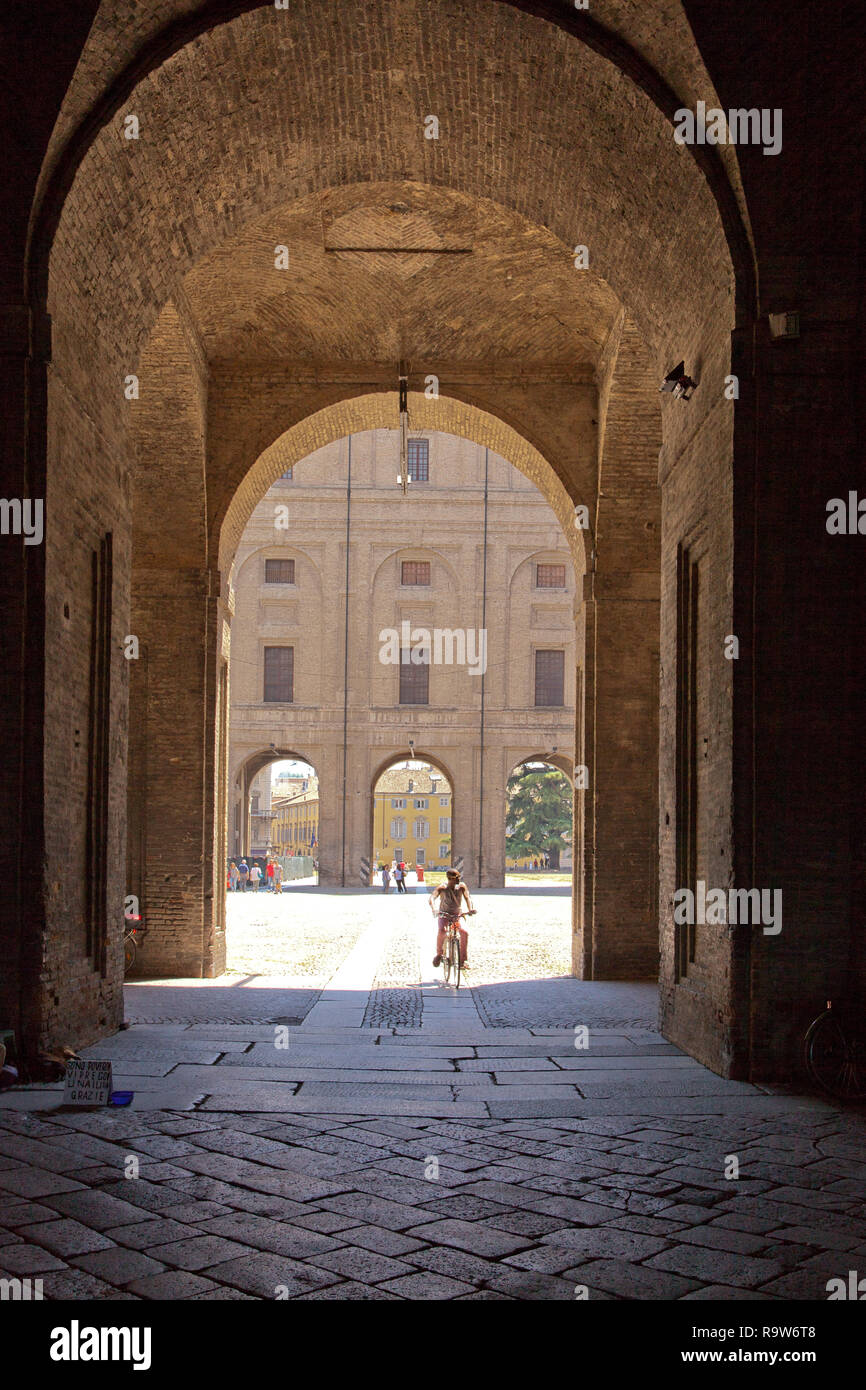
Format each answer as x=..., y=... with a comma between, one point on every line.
x=539, y=820
x=206, y=344
x=274, y=806
x=469, y=576
x=412, y=818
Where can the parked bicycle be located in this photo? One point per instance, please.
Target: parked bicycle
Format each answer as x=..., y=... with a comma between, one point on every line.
x=133, y=930
x=834, y=1050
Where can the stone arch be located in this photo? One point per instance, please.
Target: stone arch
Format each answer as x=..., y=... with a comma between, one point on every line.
x=562, y=761
x=417, y=755
x=666, y=68
x=108, y=260
x=558, y=761
x=244, y=772
x=354, y=413
x=416, y=552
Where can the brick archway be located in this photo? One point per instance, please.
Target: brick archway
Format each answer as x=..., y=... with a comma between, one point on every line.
x=567, y=357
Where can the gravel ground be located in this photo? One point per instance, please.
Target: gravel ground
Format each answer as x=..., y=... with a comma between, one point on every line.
x=303, y=936
x=518, y=936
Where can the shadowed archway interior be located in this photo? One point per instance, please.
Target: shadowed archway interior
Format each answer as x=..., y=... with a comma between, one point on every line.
x=239, y=285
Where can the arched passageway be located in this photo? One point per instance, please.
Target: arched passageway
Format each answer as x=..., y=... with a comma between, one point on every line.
x=191, y=329
x=252, y=795
x=574, y=380
x=413, y=817
x=539, y=814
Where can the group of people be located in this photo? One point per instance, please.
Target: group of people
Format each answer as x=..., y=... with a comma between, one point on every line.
x=398, y=873
x=243, y=876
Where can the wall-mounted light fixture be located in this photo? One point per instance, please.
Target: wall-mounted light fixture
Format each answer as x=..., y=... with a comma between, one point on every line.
x=785, y=325
x=679, y=385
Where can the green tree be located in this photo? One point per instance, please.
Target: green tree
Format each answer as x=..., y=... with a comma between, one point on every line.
x=538, y=814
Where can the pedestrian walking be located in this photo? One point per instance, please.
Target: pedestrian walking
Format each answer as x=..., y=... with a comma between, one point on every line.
x=278, y=877
x=233, y=877
x=269, y=870
x=255, y=877
x=399, y=877
x=386, y=878
x=243, y=875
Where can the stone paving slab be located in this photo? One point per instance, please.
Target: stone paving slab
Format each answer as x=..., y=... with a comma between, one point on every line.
x=268, y=1100
x=377, y=1058
x=429, y=1071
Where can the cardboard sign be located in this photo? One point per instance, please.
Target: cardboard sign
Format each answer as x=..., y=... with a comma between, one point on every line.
x=87, y=1083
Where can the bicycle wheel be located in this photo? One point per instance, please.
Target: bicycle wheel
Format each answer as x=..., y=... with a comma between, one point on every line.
x=455, y=961
x=128, y=954
x=446, y=959
x=835, y=1055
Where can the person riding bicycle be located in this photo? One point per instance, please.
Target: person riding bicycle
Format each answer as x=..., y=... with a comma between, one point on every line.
x=453, y=899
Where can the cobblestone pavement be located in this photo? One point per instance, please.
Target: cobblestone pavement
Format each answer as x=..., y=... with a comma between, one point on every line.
x=362, y=1207
x=453, y=1156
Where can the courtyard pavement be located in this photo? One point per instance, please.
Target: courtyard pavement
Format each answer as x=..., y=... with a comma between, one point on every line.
x=380, y=1135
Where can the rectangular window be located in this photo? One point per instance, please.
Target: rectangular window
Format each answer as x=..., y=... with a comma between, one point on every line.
x=420, y=856
x=398, y=803
x=443, y=801
x=287, y=475
x=421, y=829
x=444, y=825
x=421, y=803
x=415, y=572
x=398, y=828
x=444, y=851
x=398, y=854
x=414, y=680
x=550, y=576
x=279, y=571
x=419, y=460
x=550, y=678
x=279, y=675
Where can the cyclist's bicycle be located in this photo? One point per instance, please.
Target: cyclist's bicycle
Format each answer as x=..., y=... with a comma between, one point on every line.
x=834, y=1050
x=451, y=966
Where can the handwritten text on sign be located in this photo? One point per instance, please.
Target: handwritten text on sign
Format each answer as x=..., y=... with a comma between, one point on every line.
x=87, y=1083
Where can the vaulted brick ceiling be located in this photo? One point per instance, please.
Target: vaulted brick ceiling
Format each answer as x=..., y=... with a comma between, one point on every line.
x=498, y=288
x=659, y=32
x=543, y=145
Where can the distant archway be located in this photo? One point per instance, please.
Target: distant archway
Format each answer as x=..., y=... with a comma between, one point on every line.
x=268, y=821
x=412, y=804
x=548, y=833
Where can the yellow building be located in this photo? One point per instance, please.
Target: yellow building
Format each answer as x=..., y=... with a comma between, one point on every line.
x=295, y=823
x=412, y=818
